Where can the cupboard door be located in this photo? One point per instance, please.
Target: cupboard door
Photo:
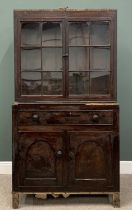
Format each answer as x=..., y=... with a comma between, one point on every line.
x=89, y=58
x=90, y=160
x=40, y=159
x=41, y=64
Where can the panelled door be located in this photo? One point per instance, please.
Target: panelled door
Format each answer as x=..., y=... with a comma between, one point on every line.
x=90, y=160
x=39, y=159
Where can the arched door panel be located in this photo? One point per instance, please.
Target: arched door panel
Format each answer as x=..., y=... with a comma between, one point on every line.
x=90, y=160
x=40, y=159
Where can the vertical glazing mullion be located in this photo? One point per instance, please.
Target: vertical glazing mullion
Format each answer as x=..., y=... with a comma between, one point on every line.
x=87, y=52
x=41, y=31
x=89, y=69
x=18, y=60
x=65, y=57
x=111, y=53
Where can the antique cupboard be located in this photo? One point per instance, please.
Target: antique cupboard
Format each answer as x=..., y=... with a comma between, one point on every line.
x=65, y=115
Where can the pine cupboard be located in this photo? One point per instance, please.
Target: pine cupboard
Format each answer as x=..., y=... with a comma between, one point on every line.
x=65, y=115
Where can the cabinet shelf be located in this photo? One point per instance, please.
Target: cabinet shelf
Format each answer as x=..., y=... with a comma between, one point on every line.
x=90, y=46
x=91, y=70
x=52, y=46
x=40, y=46
x=39, y=70
x=30, y=47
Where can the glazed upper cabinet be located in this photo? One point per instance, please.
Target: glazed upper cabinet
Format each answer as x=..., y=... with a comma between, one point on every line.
x=65, y=55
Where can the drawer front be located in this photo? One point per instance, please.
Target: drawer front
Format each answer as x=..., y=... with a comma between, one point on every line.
x=89, y=117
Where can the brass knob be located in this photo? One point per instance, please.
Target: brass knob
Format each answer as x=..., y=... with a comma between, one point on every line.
x=35, y=117
x=95, y=118
x=59, y=154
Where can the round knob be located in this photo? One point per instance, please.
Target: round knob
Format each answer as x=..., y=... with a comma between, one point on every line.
x=95, y=118
x=35, y=117
x=59, y=153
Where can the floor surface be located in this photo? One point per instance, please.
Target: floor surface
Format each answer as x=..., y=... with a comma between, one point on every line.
x=71, y=203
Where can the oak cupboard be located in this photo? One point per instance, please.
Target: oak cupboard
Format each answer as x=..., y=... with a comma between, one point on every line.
x=65, y=116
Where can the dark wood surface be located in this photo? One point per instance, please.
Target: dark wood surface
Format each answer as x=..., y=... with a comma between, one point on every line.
x=68, y=157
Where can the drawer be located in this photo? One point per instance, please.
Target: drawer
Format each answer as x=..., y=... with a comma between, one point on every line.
x=95, y=117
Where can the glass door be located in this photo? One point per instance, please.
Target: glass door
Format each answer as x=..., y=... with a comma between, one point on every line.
x=89, y=58
x=41, y=59
x=52, y=58
x=65, y=59
x=31, y=58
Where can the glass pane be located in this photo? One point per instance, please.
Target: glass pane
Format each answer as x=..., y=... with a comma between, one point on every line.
x=100, y=34
x=99, y=82
x=79, y=33
x=30, y=34
x=31, y=59
x=100, y=59
x=31, y=83
x=78, y=58
x=52, y=59
x=52, y=83
x=52, y=34
x=78, y=83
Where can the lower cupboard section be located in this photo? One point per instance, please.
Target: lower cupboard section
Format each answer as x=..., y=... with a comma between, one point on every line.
x=68, y=161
